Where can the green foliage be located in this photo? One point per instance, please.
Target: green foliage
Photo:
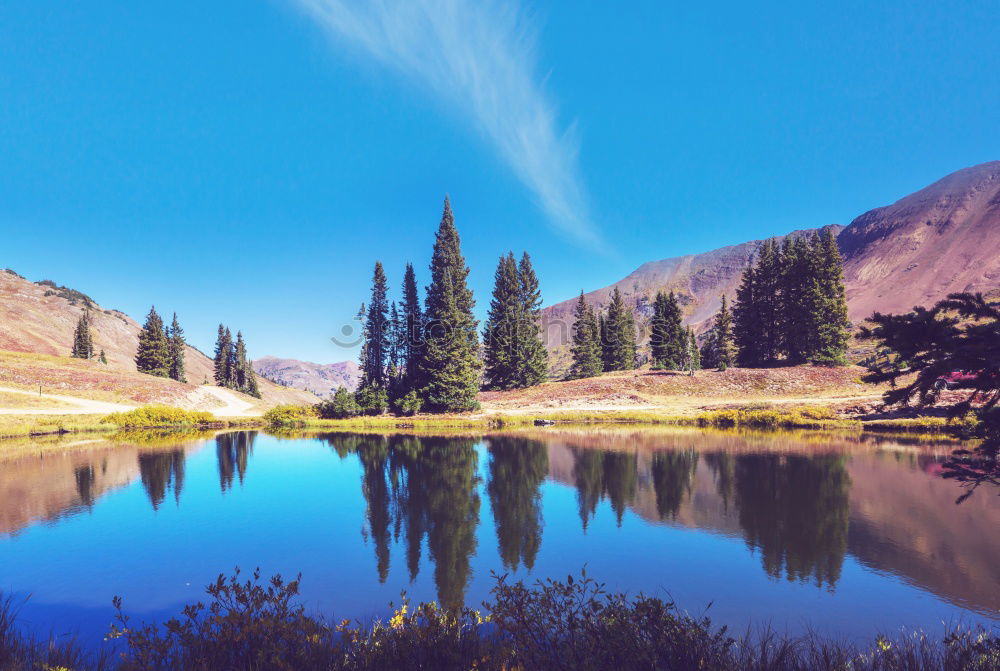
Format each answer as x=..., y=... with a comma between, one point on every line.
x=233, y=369
x=153, y=353
x=375, y=351
x=449, y=366
x=668, y=342
x=532, y=358
x=502, y=323
x=83, y=341
x=409, y=404
x=287, y=416
x=719, y=350
x=102, y=358
x=372, y=400
x=413, y=329
x=587, y=361
x=71, y=295
x=341, y=406
x=158, y=416
x=175, y=346
x=618, y=335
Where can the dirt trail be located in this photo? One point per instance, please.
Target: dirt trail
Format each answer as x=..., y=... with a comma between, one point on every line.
x=232, y=404
x=77, y=406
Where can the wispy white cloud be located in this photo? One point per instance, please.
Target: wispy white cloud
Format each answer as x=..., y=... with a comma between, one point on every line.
x=479, y=56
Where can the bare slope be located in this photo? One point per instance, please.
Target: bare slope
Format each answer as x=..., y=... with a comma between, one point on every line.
x=36, y=331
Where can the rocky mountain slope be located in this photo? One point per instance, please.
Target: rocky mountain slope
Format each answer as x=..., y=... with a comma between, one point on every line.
x=321, y=379
x=941, y=239
x=39, y=318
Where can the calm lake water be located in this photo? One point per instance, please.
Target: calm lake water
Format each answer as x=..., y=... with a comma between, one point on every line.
x=843, y=536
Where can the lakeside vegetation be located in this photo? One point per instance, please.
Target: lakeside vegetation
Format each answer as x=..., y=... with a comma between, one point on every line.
x=549, y=625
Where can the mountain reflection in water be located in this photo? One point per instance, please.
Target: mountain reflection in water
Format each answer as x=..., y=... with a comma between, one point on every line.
x=800, y=503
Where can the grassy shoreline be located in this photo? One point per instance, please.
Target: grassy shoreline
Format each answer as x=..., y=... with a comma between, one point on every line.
x=816, y=417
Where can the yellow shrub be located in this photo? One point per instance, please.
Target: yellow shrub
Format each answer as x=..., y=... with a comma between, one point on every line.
x=154, y=416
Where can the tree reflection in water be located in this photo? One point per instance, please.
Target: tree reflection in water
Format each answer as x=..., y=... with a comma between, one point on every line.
x=233, y=452
x=427, y=487
x=673, y=477
x=160, y=471
x=794, y=510
x=518, y=467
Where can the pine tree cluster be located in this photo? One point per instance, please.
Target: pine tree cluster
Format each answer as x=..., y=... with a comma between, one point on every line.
x=514, y=354
x=232, y=368
x=603, y=341
x=83, y=341
x=427, y=356
x=791, y=305
x=161, y=348
x=671, y=345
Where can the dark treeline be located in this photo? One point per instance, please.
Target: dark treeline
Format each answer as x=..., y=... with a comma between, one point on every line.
x=428, y=356
x=232, y=368
x=790, y=308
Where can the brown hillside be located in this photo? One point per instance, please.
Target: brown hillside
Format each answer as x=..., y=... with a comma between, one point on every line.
x=941, y=239
x=40, y=319
x=321, y=379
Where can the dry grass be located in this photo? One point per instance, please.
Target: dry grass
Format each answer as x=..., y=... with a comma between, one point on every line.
x=12, y=426
x=12, y=400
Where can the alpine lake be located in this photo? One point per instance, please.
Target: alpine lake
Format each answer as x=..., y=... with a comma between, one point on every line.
x=847, y=536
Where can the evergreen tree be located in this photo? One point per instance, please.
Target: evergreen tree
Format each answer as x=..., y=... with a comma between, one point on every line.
x=796, y=306
x=500, y=335
x=725, y=348
x=376, y=331
x=620, y=331
x=767, y=296
x=231, y=362
x=668, y=341
x=450, y=366
x=708, y=355
x=532, y=357
x=747, y=332
x=695, y=353
x=153, y=354
x=394, y=356
x=83, y=342
x=607, y=350
x=829, y=304
x=586, y=342
x=102, y=358
x=176, y=347
x=413, y=324
x=223, y=345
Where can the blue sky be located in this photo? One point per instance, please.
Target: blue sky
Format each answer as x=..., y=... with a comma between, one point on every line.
x=247, y=161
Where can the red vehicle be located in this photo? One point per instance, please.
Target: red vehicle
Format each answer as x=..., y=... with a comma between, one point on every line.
x=957, y=379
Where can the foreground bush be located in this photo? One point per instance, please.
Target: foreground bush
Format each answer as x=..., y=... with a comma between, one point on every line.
x=550, y=626
x=766, y=417
x=289, y=416
x=158, y=416
x=341, y=406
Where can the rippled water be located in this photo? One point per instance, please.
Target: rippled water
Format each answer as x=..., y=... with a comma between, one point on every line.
x=839, y=535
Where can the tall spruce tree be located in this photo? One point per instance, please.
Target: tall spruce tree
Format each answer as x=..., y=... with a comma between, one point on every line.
x=747, y=332
x=668, y=340
x=153, y=353
x=695, y=352
x=397, y=336
x=413, y=324
x=532, y=357
x=500, y=337
x=221, y=359
x=722, y=337
x=586, y=348
x=767, y=296
x=796, y=299
x=449, y=366
x=620, y=332
x=231, y=362
x=175, y=345
x=83, y=342
x=829, y=304
x=377, y=329
x=244, y=379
